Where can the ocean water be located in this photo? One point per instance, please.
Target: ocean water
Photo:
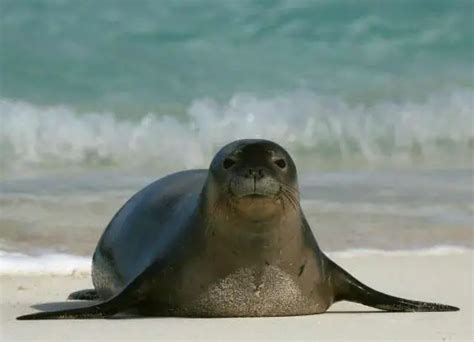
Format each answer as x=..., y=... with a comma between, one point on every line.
x=373, y=99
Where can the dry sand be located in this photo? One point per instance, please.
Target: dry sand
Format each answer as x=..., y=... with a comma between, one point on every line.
x=446, y=279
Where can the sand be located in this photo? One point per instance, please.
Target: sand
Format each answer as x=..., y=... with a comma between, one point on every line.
x=445, y=278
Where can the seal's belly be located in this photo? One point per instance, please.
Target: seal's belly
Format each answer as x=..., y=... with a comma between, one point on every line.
x=248, y=292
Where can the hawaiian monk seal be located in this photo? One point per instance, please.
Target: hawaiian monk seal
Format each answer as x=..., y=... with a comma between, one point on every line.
x=228, y=241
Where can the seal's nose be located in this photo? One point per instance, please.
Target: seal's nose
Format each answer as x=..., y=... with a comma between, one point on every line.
x=255, y=173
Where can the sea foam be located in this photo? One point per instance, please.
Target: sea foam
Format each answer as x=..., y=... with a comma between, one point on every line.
x=55, y=263
x=13, y=263
x=431, y=251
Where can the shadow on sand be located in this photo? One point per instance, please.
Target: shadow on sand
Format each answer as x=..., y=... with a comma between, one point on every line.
x=66, y=305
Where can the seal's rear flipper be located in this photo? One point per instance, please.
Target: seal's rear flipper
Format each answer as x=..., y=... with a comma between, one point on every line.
x=88, y=294
x=350, y=289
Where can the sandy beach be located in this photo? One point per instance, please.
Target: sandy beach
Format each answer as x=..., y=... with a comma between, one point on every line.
x=441, y=278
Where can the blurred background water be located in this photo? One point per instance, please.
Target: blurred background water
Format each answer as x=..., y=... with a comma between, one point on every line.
x=374, y=100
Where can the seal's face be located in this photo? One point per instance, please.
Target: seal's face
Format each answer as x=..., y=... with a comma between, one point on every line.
x=255, y=177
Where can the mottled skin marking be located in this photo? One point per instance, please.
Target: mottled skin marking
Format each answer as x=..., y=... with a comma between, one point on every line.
x=243, y=293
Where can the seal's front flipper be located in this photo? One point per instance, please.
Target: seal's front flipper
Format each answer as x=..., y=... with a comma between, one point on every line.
x=96, y=311
x=350, y=289
x=130, y=296
x=88, y=294
x=125, y=300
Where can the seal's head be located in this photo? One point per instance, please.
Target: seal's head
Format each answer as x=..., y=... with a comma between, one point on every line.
x=257, y=178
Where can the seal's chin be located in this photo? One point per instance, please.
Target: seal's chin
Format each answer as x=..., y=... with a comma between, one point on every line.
x=257, y=207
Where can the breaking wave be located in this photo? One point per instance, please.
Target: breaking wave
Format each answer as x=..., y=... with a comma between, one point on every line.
x=309, y=125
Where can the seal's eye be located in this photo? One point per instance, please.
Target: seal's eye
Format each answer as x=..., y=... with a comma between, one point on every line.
x=281, y=163
x=228, y=163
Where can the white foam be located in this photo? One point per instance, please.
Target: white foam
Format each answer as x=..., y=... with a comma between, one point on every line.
x=13, y=263
x=33, y=136
x=56, y=263
x=432, y=251
x=440, y=212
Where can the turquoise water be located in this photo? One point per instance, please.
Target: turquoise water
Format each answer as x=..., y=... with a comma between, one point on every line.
x=139, y=56
x=373, y=99
x=121, y=84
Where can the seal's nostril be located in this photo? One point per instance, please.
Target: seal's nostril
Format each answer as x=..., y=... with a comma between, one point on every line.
x=254, y=173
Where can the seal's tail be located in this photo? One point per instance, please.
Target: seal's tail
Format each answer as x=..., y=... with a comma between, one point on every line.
x=350, y=289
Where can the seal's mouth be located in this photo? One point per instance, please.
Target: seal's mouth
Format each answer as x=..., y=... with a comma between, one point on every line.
x=255, y=196
x=254, y=189
x=257, y=201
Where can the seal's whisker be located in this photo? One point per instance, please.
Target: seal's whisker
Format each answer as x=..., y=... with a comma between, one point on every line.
x=281, y=197
x=290, y=189
x=288, y=195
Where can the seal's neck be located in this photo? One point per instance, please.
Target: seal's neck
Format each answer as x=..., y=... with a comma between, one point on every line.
x=242, y=241
x=235, y=233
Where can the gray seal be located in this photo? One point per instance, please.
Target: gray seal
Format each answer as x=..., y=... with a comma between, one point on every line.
x=231, y=241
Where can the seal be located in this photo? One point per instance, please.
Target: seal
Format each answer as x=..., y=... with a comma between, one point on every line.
x=231, y=241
